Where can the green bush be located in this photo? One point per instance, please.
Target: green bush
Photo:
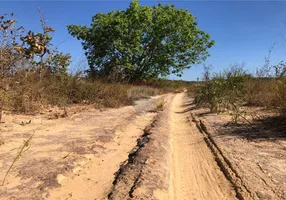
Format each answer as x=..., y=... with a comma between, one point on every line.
x=225, y=91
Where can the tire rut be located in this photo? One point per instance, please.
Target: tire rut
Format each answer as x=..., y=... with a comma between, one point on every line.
x=129, y=173
x=242, y=192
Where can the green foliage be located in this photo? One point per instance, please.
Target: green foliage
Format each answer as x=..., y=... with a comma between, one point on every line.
x=33, y=75
x=57, y=63
x=225, y=91
x=142, y=42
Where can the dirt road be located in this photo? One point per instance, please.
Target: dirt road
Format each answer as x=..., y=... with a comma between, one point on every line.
x=133, y=152
x=195, y=172
x=70, y=158
x=175, y=163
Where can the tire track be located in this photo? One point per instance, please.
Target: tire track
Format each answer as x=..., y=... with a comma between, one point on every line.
x=196, y=174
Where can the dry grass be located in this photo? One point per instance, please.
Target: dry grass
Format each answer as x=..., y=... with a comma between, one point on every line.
x=139, y=92
x=269, y=93
x=281, y=95
x=26, y=94
x=260, y=92
x=159, y=106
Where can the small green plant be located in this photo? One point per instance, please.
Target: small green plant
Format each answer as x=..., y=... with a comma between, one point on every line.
x=239, y=114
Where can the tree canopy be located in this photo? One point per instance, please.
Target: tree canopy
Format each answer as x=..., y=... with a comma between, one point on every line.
x=142, y=42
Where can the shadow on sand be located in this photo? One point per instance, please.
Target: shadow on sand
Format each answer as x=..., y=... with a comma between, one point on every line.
x=269, y=128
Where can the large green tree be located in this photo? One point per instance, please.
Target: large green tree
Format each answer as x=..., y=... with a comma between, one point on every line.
x=142, y=42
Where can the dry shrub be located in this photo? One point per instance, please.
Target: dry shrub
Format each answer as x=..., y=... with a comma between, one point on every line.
x=193, y=88
x=22, y=94
x=234, y=88
x=114, y=95
x=267, y=92
x=139, y=92
x=260, y=92
x=281, y=95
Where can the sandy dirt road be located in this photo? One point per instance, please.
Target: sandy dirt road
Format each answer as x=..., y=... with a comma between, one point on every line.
x=175, y=163
x=127, y=153
x=195, y=171
x=70, y=158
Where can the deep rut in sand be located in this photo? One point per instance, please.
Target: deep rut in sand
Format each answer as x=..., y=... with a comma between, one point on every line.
x=129, y=173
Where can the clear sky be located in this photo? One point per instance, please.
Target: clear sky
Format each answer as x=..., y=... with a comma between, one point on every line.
x=243, y=30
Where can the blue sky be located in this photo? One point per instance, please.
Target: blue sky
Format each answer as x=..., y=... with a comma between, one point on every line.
x=243, y=30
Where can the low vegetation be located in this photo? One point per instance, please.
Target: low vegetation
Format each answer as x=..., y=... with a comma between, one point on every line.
x=224, y=91
x=234, y=88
